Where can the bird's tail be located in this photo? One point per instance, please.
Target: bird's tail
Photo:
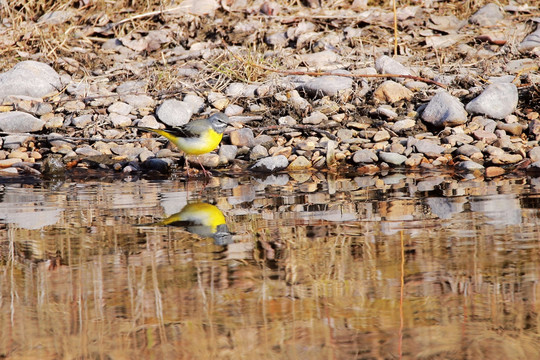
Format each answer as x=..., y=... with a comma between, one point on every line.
x=163, y=133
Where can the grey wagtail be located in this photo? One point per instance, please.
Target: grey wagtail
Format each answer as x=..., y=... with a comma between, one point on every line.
x=203, y=219
x=196, y=137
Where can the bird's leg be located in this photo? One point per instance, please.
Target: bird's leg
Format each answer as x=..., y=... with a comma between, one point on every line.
x=205, y=172
x=186, y=164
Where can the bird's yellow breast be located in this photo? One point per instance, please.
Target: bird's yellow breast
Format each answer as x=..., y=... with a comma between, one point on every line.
x=206, y=142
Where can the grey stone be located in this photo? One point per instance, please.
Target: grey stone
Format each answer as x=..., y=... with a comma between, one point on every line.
x=468, y=150
x=381, y=135
x=120, y=108
x=496, y=101
x=271, y=164
x=131, y=87
x=392, y=158
x=30, y=78
x=53, y=166
x=428, y=146
x=458, y=139
x=174, y=112
x=403, y=125
x=387, y=112
x=387, y=65
x=506, y=159
x=315, y=118
x=81, y=121
x=487, y=15
x=278, y=39
x=485, y=136
x=56, y=17
x=120, y=120
x=157, y=164
x=365, y=156
x=87, y=151
x=139, y=101
x=258, y=152
x=242, y=137
x=15, y=141
x=534, y=153
x=19, y=122
x=469, y=166
x=228, y=152
x=195, y=103
x=330, y=85
x=531, y=41
x=444, y=110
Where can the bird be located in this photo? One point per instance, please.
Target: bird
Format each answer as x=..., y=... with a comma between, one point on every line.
x=203, y=219
x=197, y=137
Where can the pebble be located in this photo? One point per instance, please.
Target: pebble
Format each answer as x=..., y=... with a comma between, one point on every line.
x=387, y=65
x=209, y=160
x=515, y=128
x=330, y=85
x=531, y=41
x=485, y=136
x=492, y=171
x=381, y=135
x=155, y=164
x=458, y=139
x=139, y=101
x=242, y=137
x=120, y=108
x=497, y=101
x=19, y=122
x=392, y=158
x=300, y=163
x=258, y=152
x=469, y=165
x=534, y=153
x=365, y=156
x=403, y=125
x=53, y=165
x=391, y=91
x=468, y=150
x=444, y=110
x=428, y=146
x=487, y=15
x=233, y=110
x=315, y=118
x=120, y=120
x=81, y=121
x=174, y=112
x=271, y=164
x=506, y=158
x=195, y=103
x=30, y=78
x=228, y=152
x=87, y=151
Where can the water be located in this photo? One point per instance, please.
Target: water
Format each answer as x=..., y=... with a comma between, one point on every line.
x=299, y=266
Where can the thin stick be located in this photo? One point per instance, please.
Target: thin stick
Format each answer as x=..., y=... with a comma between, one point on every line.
x=395, y=29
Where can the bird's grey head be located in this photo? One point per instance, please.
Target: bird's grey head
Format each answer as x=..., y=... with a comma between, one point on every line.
x=219, y=122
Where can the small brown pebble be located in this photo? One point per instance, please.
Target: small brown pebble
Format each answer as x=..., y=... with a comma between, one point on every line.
x=493, y=171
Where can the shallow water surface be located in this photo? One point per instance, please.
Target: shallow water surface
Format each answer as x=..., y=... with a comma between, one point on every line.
x=299, y=266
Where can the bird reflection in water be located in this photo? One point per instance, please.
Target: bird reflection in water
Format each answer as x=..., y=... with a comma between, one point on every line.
x=202, y=219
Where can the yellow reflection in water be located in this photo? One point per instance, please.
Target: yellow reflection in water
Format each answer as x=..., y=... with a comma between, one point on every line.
x=320, y=267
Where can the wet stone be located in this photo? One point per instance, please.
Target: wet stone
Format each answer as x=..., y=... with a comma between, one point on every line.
x=469, y=166
x=392, y=158
x=534, y=153
x=271, y=164
x=300, y=163
x=496, y=101
x=365, y=156
x=493, y=171
x=53, y=165
x=506, y=159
